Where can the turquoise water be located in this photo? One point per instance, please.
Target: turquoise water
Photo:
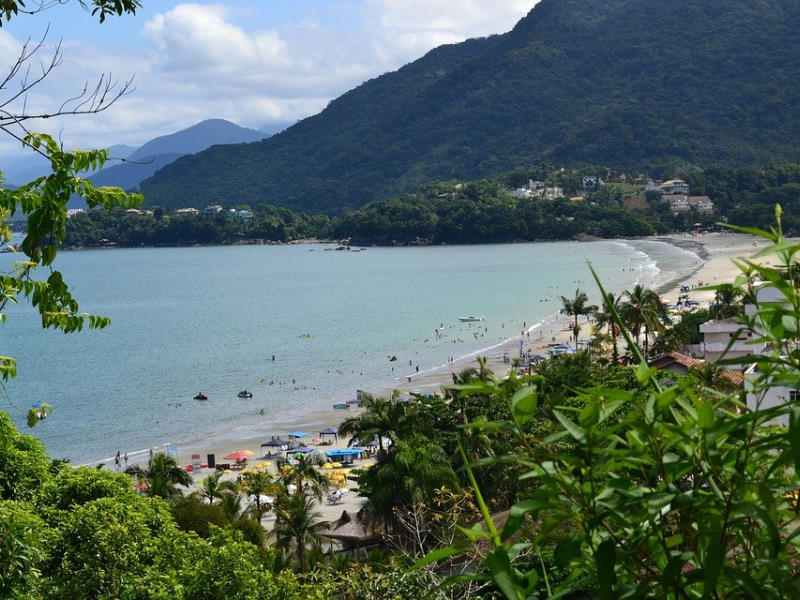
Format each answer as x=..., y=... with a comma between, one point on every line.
x=210, y=319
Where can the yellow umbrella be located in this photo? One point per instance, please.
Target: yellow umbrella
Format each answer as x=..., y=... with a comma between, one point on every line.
x=327, y=466
x=336, y=465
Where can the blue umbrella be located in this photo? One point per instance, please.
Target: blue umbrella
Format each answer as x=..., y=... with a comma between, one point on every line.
x=298, y=434
x=343, y=452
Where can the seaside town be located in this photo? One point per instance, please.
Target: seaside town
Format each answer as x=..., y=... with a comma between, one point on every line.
x=388, y=301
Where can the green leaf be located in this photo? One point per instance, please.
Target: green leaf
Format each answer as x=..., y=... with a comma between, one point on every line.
x=436, y=556
x=574, y=430
x=605, y=557
x=705, y=415
x=502, y=572
x=524, y=403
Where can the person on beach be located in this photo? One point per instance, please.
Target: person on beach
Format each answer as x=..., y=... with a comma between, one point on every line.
x=116, y=461
x=126, y=460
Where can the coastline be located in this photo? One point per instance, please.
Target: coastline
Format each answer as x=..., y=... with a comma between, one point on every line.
x=713, y=250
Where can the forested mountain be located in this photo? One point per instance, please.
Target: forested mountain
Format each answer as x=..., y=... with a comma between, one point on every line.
x=636, y=83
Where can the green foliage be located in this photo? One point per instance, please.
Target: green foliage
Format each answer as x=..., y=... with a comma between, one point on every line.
x=100, y=8
x=71, y=487
x=678, y=492
x=23, y=463
x=23, y=545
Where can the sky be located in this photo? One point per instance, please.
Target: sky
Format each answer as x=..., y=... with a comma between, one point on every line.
x=255, y=63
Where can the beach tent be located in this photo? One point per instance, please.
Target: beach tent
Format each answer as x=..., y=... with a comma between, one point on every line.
x=298, y=434
x=275, y=443
x=299, y=450
x=330, y=431
x=346, y=455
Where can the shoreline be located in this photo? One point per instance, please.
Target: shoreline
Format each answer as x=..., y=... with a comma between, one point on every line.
x=710, y=248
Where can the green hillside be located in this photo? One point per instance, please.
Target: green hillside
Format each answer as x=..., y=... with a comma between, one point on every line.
x=635, y=83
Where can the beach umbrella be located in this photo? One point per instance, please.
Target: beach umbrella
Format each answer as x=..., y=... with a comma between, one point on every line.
x=239, y=455
x=344, y=452
x=298, y=434
x=327, y=465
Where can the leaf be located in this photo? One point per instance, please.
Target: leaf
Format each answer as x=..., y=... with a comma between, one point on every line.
x=605, y=557
x=705, y=415
x=524, y=403
x=713, y=566
x=502, y=572
x=436, y=556
x=517, y=515
x=574, y=430
x=794, y=436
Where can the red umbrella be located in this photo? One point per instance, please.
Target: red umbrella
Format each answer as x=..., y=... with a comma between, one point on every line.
x=239, y=455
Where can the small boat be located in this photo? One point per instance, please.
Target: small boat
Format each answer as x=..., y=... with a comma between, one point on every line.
x=341, y=406
x=470, y=319
x=201, y=396
x=245, y=394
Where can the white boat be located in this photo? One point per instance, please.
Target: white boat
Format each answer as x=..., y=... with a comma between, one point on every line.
x=470, y=319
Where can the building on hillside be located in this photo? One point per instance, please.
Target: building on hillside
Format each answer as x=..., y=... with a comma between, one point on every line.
x=681, y=364
x=213, y=208
x=552, y=192
x=678, y=203
x=773, y=395
x=591, y=182
x=701, y=204
x=241, y=215
x=187, y=211
x=674, y=186
x=728, y=338
x=522, y=192
x=74, y=211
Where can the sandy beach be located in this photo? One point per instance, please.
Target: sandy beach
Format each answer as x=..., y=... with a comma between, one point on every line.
x=717, y=250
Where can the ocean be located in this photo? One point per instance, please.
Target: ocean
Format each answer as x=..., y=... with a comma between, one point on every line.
x=210, y=319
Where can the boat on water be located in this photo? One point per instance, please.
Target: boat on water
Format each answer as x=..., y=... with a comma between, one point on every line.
x=341, y=406
x=245, y=394
x=201, y=396
x=470, y=319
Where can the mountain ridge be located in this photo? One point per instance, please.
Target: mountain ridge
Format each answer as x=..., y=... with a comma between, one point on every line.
x=632, y=83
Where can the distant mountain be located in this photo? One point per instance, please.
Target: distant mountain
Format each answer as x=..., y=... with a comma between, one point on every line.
x=642, y=84
x=140, y=163
x=196, y=138
x=25, y=168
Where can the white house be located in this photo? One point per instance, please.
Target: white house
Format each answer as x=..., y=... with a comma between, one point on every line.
x=718, y=335
x=675, y=186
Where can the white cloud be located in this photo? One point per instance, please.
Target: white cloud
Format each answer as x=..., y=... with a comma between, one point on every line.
x=204, y=61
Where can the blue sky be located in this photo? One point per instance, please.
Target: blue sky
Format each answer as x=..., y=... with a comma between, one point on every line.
x=252, y=62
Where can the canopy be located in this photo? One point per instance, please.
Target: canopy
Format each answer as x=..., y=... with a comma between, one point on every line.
x=275, y=443
x=239, y=455
x=329, y=431
x=300, y=450
x=298, y=434
x=344, y=452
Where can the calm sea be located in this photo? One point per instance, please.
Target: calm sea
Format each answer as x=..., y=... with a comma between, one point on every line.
x=210, y=319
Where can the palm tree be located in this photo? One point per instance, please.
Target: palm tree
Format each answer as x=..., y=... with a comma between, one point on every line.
x=258, y=484
x=727, y=302
x=297, y=524
x=163, y=475
x=575, y=307
x=605, y=318
x=212, y=487
x=642, y=309
x=381, y=418
x=304, y=471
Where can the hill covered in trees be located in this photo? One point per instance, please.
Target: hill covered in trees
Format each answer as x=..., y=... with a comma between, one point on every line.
x=636, y=83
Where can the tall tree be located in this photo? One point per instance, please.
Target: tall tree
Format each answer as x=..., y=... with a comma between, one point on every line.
x=297, y=525
x=575, y=307
x=162, y=475
x=604, y=318
x=643, y=312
